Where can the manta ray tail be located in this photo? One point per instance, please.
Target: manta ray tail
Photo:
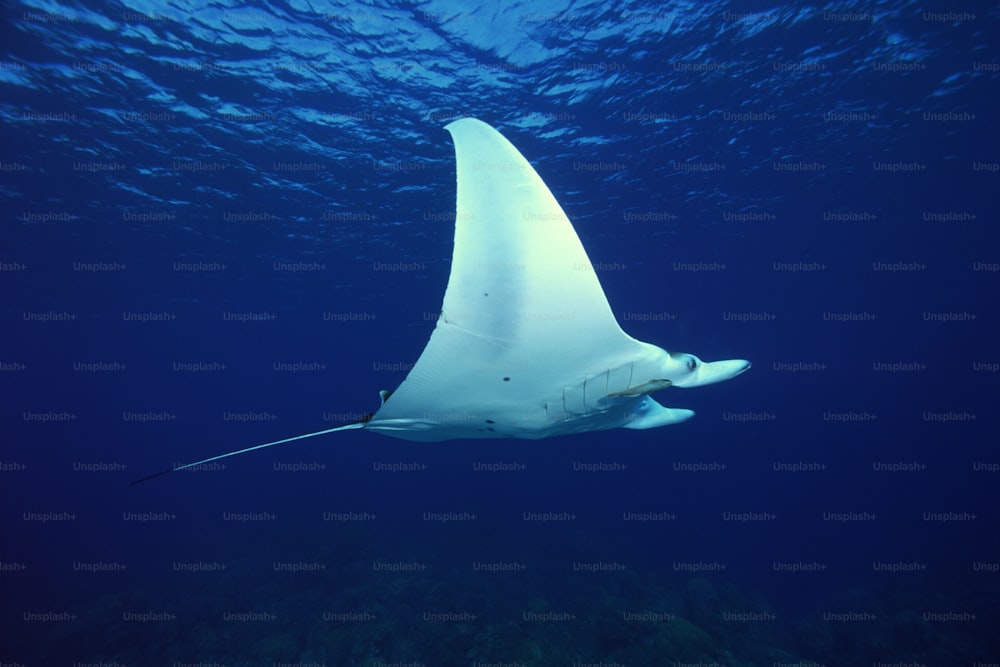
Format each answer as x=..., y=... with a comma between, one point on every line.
x=345, y=427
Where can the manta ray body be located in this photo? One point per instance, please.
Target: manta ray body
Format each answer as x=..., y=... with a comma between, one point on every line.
x=526, y=345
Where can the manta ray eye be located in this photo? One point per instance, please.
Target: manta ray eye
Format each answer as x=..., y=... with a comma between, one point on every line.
x=692, y=364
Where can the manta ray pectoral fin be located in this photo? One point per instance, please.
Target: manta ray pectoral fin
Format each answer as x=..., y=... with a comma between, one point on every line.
x=644, y=388
x=345, y=427
x=650, y=414
x=524, y=314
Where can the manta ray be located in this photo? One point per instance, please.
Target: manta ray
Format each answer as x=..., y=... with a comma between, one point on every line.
x=526, y=345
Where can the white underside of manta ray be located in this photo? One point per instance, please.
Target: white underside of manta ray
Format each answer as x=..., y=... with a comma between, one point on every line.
x=526, y=345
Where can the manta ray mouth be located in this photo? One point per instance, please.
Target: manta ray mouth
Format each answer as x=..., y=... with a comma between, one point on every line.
x=643, y=389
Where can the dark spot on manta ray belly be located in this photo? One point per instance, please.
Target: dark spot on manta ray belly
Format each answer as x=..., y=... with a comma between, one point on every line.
x=490, y=421
x=506, y=379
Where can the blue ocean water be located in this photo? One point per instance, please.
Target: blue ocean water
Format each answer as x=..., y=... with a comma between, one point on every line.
x=231, y=223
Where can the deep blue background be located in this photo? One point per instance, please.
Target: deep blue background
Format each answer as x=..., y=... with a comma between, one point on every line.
x=105, y=110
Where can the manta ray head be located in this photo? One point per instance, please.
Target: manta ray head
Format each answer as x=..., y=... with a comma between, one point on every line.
x=687, y=370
